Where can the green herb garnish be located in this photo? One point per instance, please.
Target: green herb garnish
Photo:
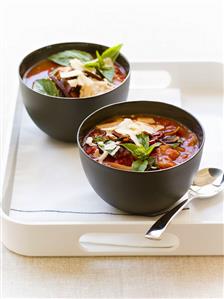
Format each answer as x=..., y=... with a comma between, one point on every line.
x=46, y=86
x=63, y=58
x=140, y=152
x=104, y=62
x=112, y=52
x=139, y=165
x=99, y=138
x=108, y=73
x=144, y=140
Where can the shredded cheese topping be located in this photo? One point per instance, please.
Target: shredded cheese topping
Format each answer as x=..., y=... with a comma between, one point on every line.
x=89, y=85
x=131, y=128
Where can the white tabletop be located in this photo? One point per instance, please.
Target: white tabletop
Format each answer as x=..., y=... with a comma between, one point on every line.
x=162, y=30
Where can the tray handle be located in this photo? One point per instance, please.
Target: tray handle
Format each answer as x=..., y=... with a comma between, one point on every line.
x=126, y=242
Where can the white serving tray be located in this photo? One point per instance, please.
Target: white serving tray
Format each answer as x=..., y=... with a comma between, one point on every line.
x=49, y=209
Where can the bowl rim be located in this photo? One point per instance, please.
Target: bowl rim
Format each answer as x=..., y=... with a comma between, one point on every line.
x=134, y=171
x=71, y=98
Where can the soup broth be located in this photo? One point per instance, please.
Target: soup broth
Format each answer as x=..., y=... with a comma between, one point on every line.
x=140, y=143
x=76, y=74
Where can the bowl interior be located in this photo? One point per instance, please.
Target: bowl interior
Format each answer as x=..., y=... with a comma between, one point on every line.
x=142, y=107
x=44, y=52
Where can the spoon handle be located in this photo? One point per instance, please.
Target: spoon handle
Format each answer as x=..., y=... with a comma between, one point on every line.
x=161, y=224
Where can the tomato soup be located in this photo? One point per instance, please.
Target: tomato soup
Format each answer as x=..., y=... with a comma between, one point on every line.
x=140, y=143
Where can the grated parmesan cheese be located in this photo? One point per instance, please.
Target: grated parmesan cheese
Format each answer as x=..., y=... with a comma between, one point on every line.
x=131, y=128
x=76, y=64
x=70, y=74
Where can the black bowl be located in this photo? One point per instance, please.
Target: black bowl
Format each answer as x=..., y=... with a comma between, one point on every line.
x=145, y=193
x=60, y=117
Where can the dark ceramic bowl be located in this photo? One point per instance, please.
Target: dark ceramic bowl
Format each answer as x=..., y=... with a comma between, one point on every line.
x=60, y=117
x=145, y=193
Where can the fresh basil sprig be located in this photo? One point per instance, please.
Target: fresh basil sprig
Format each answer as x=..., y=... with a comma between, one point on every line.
x=139, y=165
x=99, y=138
x=101, y=62
x=142, y=153
x=144, y=140
x=46, y=86
x=108, y=73
x=63, y=58
x=112, y=52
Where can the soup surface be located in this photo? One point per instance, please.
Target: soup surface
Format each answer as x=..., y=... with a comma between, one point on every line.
x=140, y=143
x=76, y=74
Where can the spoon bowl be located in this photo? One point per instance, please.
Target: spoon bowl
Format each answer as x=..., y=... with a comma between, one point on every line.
x=208, y=182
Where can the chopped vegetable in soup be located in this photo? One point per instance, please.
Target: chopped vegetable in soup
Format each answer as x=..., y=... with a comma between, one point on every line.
x=76, y=74
x=140, y=143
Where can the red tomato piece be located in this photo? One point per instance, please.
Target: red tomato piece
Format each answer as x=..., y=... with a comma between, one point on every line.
x=172, y=153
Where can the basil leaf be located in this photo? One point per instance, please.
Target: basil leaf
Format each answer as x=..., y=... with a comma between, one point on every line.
x=139, y=165
x=151, y=148
x=108, y=73
x=112, y=52
x=63, y=58
x=100, y=60
x=141, y=152
x=99, y=138
x=138, y=152
x=92, y=63
x=46, y=86
x=144, y=140
x=131, y=147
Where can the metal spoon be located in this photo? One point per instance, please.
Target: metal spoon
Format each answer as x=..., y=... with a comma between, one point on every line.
x=207, y=183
